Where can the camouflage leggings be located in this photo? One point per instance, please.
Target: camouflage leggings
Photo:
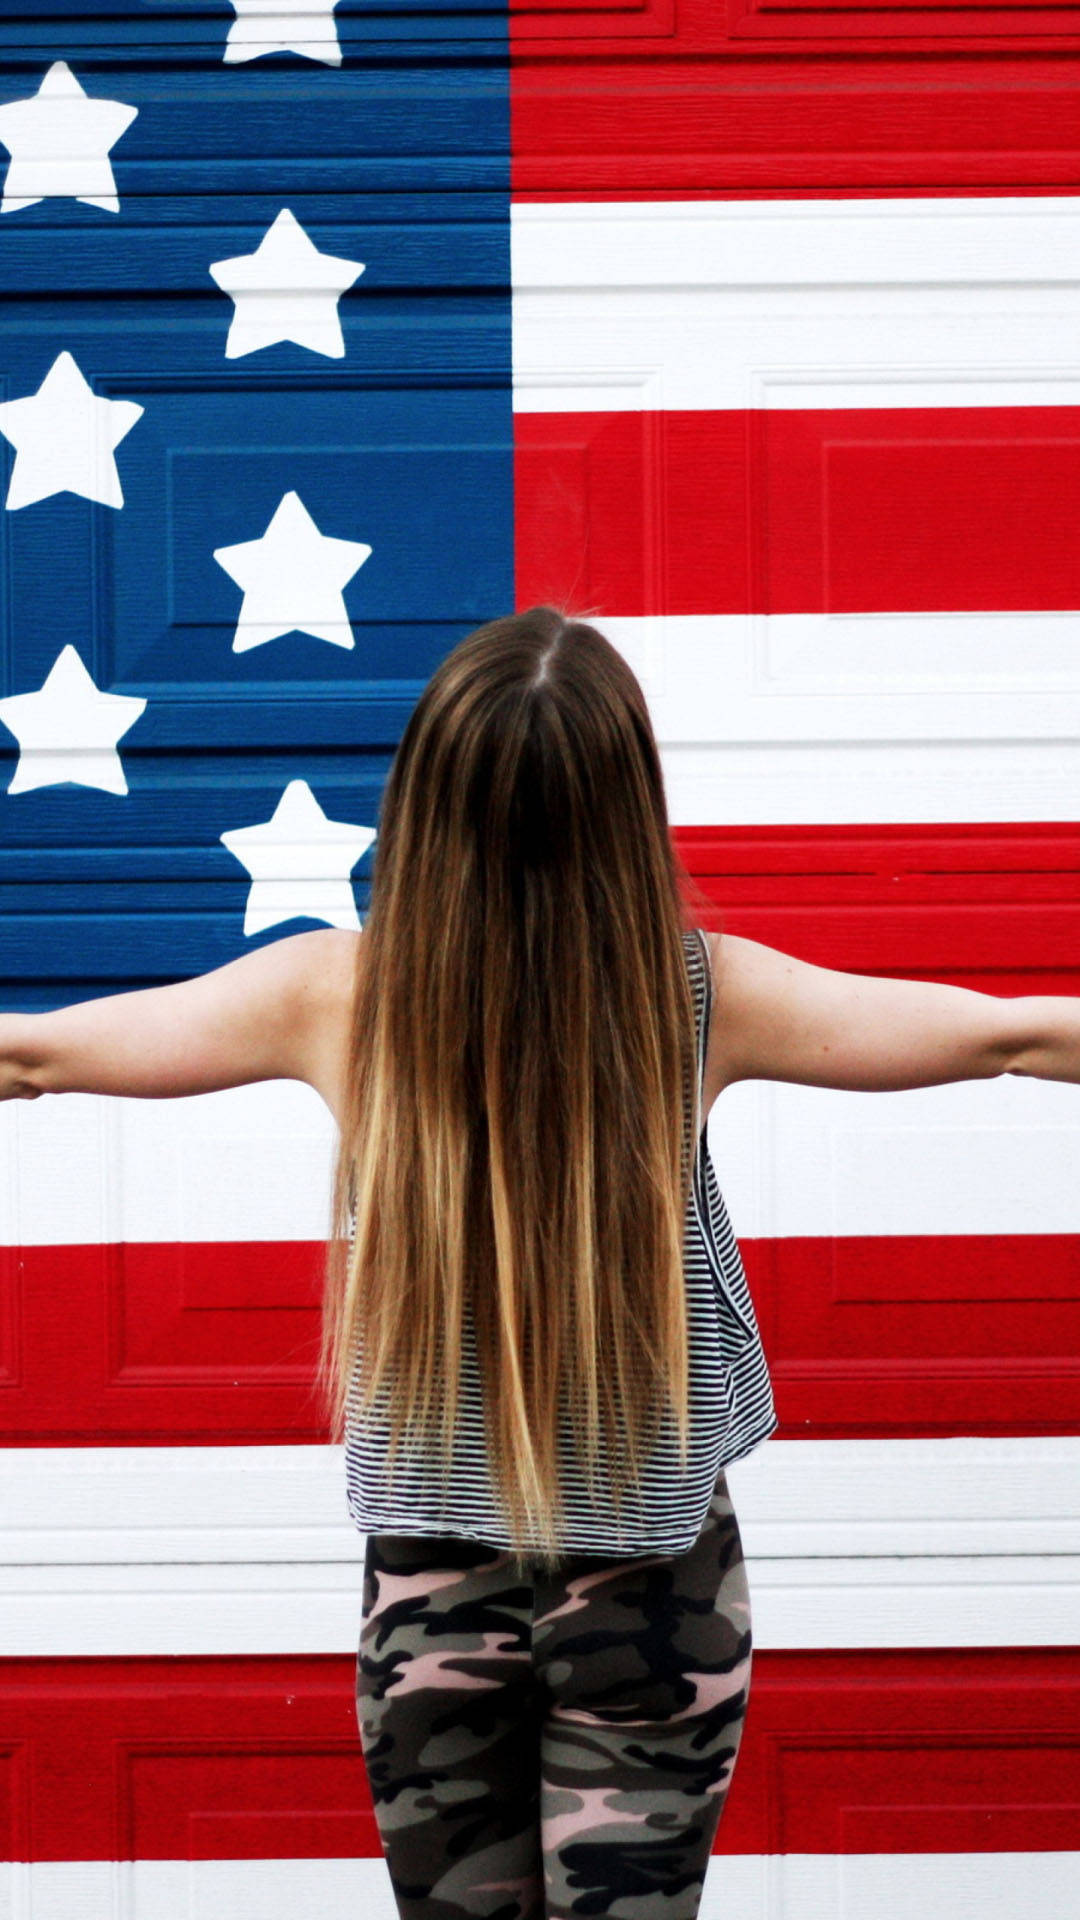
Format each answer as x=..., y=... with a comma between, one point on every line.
x=559, y=1745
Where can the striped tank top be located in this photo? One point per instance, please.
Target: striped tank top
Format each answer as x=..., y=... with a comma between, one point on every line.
x=730, y=1394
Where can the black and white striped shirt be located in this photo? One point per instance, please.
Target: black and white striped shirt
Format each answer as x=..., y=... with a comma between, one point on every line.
x=731, y=1404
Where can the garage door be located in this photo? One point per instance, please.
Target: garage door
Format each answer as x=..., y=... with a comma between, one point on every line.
x=328, y=333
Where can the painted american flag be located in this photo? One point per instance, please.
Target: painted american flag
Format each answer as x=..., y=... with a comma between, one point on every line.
x=328, y=333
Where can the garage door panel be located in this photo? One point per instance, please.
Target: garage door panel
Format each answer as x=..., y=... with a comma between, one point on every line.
x=813, y=511
x=795, y=20
x=159, y=1362
x=920, y=1335
x=894, y=1793
x=755, y=98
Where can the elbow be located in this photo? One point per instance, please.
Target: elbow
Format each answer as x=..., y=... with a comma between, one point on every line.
x=1019, y=1043
x=17, y=1084
x=22, y=1062
x=21, y=1079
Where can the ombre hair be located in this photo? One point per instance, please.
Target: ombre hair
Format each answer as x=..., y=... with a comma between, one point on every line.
x=520, y=1105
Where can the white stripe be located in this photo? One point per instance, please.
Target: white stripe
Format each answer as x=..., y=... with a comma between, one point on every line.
x=780, y=1886
x=849, y=1543
x=879, y=780
x=977, y=1156
x=799, y=680
x=994, y=240
x=823, y=303
x=833, y=718
x=246, y=1163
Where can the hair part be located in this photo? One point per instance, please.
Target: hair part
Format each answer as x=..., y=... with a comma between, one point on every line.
x=515, y=1153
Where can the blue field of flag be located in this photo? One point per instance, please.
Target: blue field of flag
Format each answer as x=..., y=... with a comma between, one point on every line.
x=257, y=466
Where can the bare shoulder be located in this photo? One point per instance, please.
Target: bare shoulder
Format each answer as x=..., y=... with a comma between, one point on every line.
x=339, y=948
x=760, y=995
x=332, y=958
x=738, y=962
x=741, y=970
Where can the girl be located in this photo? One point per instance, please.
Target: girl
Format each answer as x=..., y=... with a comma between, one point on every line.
x=538, y=1341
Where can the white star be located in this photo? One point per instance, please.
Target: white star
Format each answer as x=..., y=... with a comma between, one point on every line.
x=306, y=27
x=64, y=436
x=299, y=862
x=68, y=729
x=59, y=140
x=285, y=290
x=292, y=579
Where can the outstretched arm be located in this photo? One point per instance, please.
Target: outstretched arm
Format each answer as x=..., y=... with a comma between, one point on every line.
x=779, y=1018
x=271, y=1014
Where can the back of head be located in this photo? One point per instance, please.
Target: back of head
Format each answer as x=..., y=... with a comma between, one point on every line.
x=516, y=1138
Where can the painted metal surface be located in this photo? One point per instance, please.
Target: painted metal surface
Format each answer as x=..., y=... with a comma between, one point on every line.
x=752, y=328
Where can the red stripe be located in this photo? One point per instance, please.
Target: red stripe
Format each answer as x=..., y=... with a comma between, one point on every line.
x=916, y=1335
x=893, y=1750
x=909, y=509
x=887, y=1750
x=865, y=1336
x=156, y=1344
x=948, y=900
x=653, y=101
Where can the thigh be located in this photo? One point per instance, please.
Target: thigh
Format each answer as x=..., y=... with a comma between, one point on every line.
x=645, y=1668
x=449, y=1725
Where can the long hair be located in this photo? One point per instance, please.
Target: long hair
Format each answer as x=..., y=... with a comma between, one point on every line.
x=514, y=1151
